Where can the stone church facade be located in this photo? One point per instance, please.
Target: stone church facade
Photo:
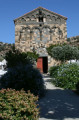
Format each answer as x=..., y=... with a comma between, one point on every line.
x=37, y=30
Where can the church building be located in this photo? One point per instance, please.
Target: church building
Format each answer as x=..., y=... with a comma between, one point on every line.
x=37, y=30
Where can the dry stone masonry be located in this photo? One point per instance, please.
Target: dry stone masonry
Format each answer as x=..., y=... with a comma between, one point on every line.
x=38, y=29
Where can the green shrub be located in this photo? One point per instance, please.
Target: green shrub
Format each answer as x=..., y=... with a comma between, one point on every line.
x=24, y=76
x=15, y=57
x=49, y=49
x=17, y=105
x=32, y=56
x=53, y=71
x=67, y=76
x=64, y=53
x=21, y=73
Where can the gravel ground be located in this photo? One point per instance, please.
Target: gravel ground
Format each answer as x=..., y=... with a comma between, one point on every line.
x=58, y=104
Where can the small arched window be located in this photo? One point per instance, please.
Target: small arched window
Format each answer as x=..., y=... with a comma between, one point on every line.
x=45, y=34
x=36, y=35
x=40, y=16
x=40, y=19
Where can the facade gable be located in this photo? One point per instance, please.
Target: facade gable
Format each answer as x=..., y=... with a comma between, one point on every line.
x=36, y=30
x=33, y=16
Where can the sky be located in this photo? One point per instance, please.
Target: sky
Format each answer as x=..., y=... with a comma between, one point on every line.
x=12, y=9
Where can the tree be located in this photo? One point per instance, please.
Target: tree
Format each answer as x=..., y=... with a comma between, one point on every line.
x=49, y=49
x=70, y=52
x=56, y=53
x=64, y=53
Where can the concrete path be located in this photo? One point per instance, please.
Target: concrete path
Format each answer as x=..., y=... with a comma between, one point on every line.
x=58, y=104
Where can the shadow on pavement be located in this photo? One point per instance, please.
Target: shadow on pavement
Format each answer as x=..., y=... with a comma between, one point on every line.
x=59, y=104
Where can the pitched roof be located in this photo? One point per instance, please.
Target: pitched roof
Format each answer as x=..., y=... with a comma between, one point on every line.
x=42, y=9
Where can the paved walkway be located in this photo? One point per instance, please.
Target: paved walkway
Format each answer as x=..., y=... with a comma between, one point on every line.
x=58, y=104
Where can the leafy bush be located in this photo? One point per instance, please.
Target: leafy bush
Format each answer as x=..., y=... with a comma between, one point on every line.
x=53, y=71
x=32, y=56
x=65, y=52
x=67, y=76
x=70, y=52
x=57, y=53
x=24, y=76
x=49, y=49
x=17, y=105
x=15, y=57
x=21, y=73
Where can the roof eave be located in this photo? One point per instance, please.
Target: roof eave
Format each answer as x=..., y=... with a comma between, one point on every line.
x=25, y=14
x=43, y=9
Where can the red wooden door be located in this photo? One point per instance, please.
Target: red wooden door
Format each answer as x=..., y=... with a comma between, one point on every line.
x=40, y=64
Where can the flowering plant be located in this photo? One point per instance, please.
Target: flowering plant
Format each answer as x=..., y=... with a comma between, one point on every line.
x=67, y=76
x=18, y=105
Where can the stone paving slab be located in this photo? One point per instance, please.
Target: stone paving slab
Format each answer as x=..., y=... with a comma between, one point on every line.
x=58, y=104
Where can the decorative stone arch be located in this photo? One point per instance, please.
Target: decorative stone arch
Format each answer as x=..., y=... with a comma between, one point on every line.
x=24, y=18
x=36, y=34
x=44, y=15
x=54, y=19
x=25, y=28
x=49, y=18
x=28, y=19
x=25, y=38
x=58, y=20
x=54, y=27
x=46, y=34
x=57, y=31
x=35, y=27
x=21, y=20
x=21, y=40
x=33, y=17
x=60, y=34
x=46, y=26
x=37, y=15
x=27, y=33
